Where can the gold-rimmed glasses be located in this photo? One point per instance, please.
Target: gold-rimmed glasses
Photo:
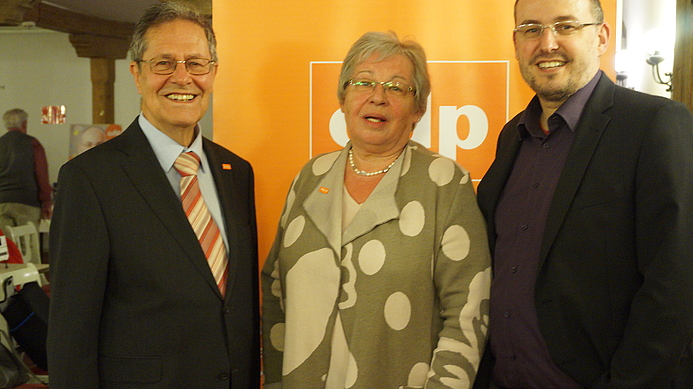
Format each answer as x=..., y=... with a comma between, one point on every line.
x=393, y=88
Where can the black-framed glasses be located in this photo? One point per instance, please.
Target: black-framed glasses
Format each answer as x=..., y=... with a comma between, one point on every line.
x=194, y=66
x=531, y=31
x=393, y=88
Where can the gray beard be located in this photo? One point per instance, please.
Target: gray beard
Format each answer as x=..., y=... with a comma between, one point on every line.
x=551, y=94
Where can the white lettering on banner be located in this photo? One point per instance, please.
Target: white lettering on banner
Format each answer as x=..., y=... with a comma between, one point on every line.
x=448, y=139
x=478, y=128
x=338, y=128
x=422, y=131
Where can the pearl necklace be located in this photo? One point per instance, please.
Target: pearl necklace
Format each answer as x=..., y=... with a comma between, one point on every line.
x=363, y=172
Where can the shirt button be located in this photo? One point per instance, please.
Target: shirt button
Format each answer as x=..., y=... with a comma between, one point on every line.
x=524, y=226
x=513, y=269
x=535, y=185
x=223, y=376
x=545, y=146
x=507, y=314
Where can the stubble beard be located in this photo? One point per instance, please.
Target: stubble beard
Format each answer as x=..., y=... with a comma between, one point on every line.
x=546, y=87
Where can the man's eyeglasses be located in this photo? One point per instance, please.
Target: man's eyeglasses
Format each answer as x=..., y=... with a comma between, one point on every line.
x=194, y=66
x=393, y=88
x=533, y=31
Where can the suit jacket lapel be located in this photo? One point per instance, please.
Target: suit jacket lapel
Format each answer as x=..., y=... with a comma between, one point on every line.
x=145, y=172
x=491, y=187
x=324, y=205
x=381, y=205
x=587, y=136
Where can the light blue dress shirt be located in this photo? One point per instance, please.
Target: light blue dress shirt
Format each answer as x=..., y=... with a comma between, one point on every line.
x=167, y=150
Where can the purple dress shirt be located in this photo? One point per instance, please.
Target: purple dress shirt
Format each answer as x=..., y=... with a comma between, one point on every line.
x=522, y=357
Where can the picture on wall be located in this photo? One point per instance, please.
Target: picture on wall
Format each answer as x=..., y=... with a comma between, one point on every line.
x=85, y=136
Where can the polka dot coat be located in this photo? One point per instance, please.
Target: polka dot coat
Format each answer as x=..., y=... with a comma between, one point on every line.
x=404, y=288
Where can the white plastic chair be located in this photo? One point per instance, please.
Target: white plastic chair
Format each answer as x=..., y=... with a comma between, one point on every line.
x=20, y=273
x=26, y=238
x=16, y=275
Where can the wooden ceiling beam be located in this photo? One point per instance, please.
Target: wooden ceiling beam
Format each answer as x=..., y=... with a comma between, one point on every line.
x=98, y=46
x=91, y=37
x=58, y=19
x=101, y=40
x=12, y=11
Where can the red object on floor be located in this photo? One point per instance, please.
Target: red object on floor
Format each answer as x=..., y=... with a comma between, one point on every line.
x=13, y=250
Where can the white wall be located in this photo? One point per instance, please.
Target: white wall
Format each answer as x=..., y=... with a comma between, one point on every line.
x=39, y=68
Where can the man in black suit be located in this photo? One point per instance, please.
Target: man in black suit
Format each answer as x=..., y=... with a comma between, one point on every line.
x=590, y=218
x=134, y=301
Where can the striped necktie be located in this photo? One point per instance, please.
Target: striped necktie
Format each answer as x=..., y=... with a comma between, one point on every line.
x=200, y=219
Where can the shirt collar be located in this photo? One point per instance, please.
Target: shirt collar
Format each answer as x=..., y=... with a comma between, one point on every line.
x=167, y=149
x=570, y=110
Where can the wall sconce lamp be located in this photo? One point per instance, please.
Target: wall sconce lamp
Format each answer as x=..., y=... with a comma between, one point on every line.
x=621, y=78
x=654, y=60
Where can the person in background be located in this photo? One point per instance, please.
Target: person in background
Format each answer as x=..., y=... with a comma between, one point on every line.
x=588, y=205
x=380, y=271
x=25, y=191
x=154, y=268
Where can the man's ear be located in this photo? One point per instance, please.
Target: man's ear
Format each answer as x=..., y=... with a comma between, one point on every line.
x=135, y=71
x=603, y=35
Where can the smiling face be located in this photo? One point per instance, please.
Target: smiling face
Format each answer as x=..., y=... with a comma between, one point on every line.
x=376, y=121
x=174, y=103
x=556, y=66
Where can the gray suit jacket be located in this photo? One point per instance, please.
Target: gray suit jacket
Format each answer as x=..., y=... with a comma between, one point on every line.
x=615, y=286
x=134, y=303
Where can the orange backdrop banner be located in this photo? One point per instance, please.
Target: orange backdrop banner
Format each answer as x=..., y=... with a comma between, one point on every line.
x=275, y=100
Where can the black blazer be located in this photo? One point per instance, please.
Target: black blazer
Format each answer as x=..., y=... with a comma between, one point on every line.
x=614, y=293
x=134, y=303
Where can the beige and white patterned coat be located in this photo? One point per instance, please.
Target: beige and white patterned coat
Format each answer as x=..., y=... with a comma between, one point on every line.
x=404, y=288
